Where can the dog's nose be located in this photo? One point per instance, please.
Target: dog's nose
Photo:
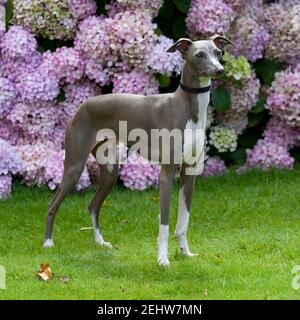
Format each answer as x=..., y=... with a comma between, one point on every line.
x=220, y=71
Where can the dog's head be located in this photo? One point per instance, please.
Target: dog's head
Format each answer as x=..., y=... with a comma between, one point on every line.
x=203, y=56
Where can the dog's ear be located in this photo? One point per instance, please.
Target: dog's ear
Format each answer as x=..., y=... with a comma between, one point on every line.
x=182, y=45
x=220, y=41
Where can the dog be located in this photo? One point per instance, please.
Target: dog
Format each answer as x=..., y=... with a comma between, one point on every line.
x=186, y=108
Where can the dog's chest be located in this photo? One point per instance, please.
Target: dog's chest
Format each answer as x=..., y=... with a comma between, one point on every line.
x=194, y=133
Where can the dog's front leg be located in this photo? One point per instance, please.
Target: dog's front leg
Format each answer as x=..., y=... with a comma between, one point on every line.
x=187, y=182
x=166, y=180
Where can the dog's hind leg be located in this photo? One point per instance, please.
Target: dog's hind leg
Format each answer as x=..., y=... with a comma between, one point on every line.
x=108, y=177
x=187, y=183
x=79, y=142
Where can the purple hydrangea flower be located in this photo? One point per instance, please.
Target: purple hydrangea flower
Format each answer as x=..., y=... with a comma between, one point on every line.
x=267, y=154
x=65, y=64
x=214, y=166
x=277, y=131
x=237, y=5
x=205, y=18
x=150, y=7
x=135, y=81
x=54, y=171
x=18, y=43
x=34, y=119
x=7, y=96
x=163, y=62
x=37, y=86
x=34, y=157
x=13, y=68
x=81, y=9
x=8, y=132
x=138, y=173
x=283, y=24
x=10, y=162
x=284, y=98
x=250, y=38
x=5, y=185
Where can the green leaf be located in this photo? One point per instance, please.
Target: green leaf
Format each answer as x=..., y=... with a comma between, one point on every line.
x=61, y=96
x=266, y=69
x=101, y=6
x=9, y=8
x=164, y=81
x=179, y=27
x=249, y=138
x=238, y=156
x=221, y=99
x=182, y=5
x=255, y=118
x=259, y=106
x=40, y=49
x=166, y=10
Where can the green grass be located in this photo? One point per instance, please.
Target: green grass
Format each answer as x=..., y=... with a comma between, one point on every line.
x=244, y=228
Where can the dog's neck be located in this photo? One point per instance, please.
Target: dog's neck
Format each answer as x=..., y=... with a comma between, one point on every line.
x=197, y=102
x=189, y=79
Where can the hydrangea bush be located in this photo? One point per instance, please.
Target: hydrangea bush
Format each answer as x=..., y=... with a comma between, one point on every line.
x=55, y=54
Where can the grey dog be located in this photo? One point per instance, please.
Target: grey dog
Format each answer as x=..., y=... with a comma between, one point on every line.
x=185, y=108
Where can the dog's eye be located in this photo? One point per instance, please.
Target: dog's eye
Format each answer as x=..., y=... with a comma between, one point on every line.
x=201, y=54
x=218, y=53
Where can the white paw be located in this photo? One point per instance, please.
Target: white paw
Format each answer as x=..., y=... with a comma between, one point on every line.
x=104, y=243
x=190, y=254
x=48, y=243
x=163, y=261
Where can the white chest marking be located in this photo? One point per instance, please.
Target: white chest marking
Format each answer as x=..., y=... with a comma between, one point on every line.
x=194, y=133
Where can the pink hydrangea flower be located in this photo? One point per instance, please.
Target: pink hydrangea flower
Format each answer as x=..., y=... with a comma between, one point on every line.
x=138, y=173
x=5, y=185
x=151, y=7
x=284, y=98
x=54, y=171
x=250, y=38
x=34, y=119
x=214, y=166
x=7, y=96
x=135, y=81
x=282, y=22
x=81, y=9
x=18, y=43
x=10, y=162
x=65, y=64
x=205, y=18
x=163, y=62
x=34, y=157
x=267, y=154
x=37, y=86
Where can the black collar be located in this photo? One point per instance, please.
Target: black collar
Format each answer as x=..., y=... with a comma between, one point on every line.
x=194, y=90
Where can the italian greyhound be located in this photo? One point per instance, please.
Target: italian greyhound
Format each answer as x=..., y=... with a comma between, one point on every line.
x=185, y=108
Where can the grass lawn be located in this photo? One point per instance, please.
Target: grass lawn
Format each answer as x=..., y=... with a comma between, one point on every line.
x=245, y=229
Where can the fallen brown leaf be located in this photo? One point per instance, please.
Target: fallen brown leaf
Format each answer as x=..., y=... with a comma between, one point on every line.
x=45, y=272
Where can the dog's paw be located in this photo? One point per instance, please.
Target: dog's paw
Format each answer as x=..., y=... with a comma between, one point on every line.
x=187, y=252
x=104, y=243
x=190, y=254
x=48, y=243
x=163, y=261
